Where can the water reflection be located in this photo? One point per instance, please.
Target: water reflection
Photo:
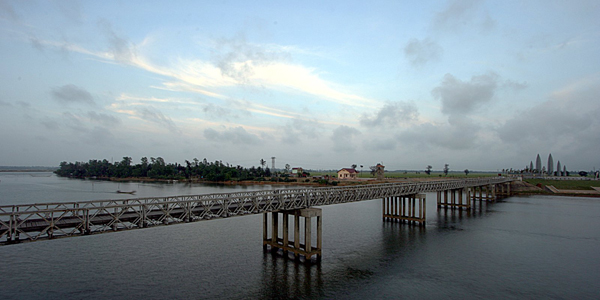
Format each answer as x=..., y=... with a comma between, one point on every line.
x=284, y=278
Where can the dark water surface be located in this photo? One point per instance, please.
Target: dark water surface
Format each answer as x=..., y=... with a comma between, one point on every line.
x=537, y=247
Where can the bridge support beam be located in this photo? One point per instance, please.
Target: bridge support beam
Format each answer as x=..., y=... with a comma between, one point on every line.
x=459, y=198
x=503, y=189
x=484, y=192
x=409, y=208
x=491, y=192
x=272, y=239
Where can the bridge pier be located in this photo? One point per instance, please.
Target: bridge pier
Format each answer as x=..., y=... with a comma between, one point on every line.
x=306, y=249
x=503, y=189
x=484, y=192
x=409, y=208
x=456, y=198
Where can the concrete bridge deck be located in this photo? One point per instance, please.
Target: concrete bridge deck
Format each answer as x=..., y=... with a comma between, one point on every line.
x=32, y=222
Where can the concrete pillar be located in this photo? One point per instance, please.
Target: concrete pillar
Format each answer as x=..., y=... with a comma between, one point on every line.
x=296, y=234
x=275, y=242
x=285, y=231
x=411, y=209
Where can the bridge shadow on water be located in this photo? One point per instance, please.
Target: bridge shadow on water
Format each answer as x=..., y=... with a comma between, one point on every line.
x=286, y=278
x=349, y=265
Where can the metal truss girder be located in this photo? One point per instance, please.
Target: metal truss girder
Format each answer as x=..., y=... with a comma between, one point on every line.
x=47, y=220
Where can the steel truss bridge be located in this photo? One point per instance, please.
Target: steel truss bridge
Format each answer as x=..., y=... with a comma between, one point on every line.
x=33, y=222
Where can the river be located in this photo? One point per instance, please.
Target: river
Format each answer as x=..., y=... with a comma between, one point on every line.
x=535, y=247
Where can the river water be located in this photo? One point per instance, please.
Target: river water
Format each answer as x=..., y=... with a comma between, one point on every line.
x=536, y=247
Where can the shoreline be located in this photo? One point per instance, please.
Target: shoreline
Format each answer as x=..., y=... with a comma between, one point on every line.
x=519, y=188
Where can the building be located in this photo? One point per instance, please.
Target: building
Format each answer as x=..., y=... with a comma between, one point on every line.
x=378, y=171
x=298, y=172
x=347, y=173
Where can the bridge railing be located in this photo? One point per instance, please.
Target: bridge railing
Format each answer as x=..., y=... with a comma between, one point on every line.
x=46, y=220
x=386, y=189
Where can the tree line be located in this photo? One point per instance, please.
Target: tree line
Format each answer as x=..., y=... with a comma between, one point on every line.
x=157, y=168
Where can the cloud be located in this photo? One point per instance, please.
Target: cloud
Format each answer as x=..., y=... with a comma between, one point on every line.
x=459, y=14
x=72, y=94
x=103, y=119
x=381, y=144
x=420, y=52
x=237, y=135
x=36, y=43
x=151, y=114
x=24, y=104
x=71, y=10
x=343, y=139
x=463, y=97
x=516, y=86
x=72, y=121
x=237, y=59
x=7, y=10
x=120, y=48
x=392, y=114
x=215, y=110
x=5, y=104
x=99, y=136
x=240, y=62
x=298, y=128
x=460, y=135
x=51, y=124
x=566, y=123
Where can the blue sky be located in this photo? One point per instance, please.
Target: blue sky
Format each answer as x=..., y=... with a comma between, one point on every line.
x=483, y=85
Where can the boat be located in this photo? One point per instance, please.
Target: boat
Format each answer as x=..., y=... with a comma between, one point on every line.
x=125, y=192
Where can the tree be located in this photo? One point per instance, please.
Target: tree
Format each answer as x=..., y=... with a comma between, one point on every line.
x=446, y=169
x=466, y=172
x=428, y=170
x=583, y=173
x=373, y=170
x=263, y=162
x=361, y=167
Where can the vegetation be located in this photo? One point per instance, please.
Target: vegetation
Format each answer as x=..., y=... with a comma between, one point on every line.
x=156, y=168
x=411, y=174
x=566, y=184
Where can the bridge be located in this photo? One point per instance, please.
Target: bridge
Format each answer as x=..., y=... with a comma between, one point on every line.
x=403, y=202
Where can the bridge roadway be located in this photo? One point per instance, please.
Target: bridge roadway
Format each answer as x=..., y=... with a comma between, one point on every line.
x=32, y=222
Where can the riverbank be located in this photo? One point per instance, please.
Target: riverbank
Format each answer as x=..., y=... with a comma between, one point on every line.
x=547, y=188
x=517, y=187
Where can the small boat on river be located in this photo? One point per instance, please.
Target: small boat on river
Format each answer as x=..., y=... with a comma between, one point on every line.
x=125, y=192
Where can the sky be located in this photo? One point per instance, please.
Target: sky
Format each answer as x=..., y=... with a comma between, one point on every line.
x=478, y=85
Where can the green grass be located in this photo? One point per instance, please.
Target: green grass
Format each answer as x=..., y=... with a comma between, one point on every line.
x=566, y=184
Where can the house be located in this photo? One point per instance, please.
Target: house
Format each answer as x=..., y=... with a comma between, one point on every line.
x=298, y=172
x=347, y=173
x=378, y=171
